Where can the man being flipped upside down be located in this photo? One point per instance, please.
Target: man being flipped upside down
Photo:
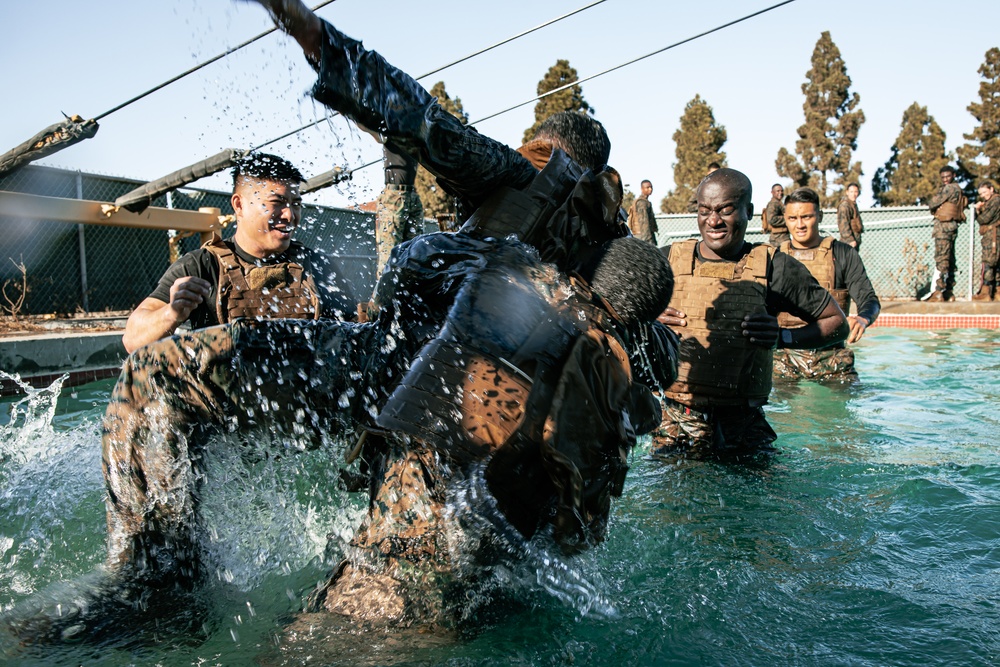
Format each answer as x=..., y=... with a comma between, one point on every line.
x=498, y=366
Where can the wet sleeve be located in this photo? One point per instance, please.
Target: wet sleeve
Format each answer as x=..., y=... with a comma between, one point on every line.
x=392, y=106
x=792, y=289
x=852, y=275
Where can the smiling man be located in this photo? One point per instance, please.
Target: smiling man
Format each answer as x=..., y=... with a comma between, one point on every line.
x=727, y=294
x=260, y=273
x=838, y=268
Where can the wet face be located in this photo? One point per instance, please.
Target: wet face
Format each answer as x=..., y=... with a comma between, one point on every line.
x=646, y=189
x=985, y=194
x=777, y=192
x=723, y=211
x=267, y=212
x=947, y=177
x=853, y=192
x=803, y=221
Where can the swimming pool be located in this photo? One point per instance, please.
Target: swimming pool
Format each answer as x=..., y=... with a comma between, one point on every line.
x=872, y=538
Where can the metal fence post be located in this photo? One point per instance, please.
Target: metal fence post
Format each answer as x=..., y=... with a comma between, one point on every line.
x=82, y=243
x=972, y=252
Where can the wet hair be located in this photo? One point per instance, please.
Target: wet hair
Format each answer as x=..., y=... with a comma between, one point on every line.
x=265, y=167
x=582, y=137
x=713, y=165
x=803, y=196
x=633, y=276
x=987, y=184
x=946, y=168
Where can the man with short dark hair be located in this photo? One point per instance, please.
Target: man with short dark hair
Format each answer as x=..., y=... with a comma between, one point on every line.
x=988, y=217
x=849, y=218
x=641, y=219
x=259, y=273
x=773, y=218
x=839, y=270
x=948, y=208
x=726, y=295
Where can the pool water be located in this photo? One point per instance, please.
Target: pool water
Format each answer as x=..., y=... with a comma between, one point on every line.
x=871, y=538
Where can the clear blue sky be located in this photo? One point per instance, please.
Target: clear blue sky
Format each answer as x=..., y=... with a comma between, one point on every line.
x=85, y=58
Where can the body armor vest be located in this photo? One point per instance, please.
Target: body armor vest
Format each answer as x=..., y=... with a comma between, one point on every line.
x=718, y=365
x=820, y=262
x=282, y=290
x=565, y=207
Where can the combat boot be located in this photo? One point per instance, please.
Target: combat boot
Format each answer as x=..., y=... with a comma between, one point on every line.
x=936, y=295
x=985, y=293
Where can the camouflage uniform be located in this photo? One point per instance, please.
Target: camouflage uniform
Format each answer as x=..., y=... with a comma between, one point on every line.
x=641, y=220
x=989, y=227
x=775, y=212
x=833, y=363
x=172, y=395
x=399, y=217
x=945, y=231
x=849, y=223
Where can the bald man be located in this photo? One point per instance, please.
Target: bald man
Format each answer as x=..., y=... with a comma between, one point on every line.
x=727, y=294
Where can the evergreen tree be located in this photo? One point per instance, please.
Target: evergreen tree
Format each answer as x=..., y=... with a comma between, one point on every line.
x=981, y=155
x=829, y=135
x=911, y=175
x=570, y=99
x=699, y=142
x=435, y=200
x=628, y=199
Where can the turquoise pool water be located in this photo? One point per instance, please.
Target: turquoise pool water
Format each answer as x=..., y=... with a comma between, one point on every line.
x=872, y=538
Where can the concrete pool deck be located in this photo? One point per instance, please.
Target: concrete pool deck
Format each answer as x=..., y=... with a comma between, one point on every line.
x=73, y=348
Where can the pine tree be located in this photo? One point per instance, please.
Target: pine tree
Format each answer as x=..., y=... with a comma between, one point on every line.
x=570, y=99
x=911, y=175
x=981, y=155
x=829, y=135
x=435, y=200
x=699, y=142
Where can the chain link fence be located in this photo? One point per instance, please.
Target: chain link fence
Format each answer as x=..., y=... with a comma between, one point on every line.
x=93, y=268
x=896, y=247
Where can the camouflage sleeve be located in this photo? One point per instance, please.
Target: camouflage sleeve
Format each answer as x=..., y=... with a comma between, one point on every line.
x=391, y=105
x=776, y=214
x=844, y=221
x=990, y=215
x=949, y=192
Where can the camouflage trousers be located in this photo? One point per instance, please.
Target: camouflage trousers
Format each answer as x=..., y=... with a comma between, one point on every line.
x=729, y=429
x=831, y=363
x=991, y=255
x=399, y=217
x=944, y=254
x=291, y=375
x=400, y=567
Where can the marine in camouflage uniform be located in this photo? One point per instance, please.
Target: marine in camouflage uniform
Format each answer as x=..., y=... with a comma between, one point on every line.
x=849, y=218
x=400, y=214
x=988, y=217
x=773, y=218
x=839, y=270
x=947, y=207
x=641, y=219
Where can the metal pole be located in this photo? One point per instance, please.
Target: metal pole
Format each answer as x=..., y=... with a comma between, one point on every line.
x=972, y=251
x=82, y=243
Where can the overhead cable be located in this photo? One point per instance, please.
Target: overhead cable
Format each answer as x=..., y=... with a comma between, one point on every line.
x=199, y=66
x=444, y=67
x=346, y=174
